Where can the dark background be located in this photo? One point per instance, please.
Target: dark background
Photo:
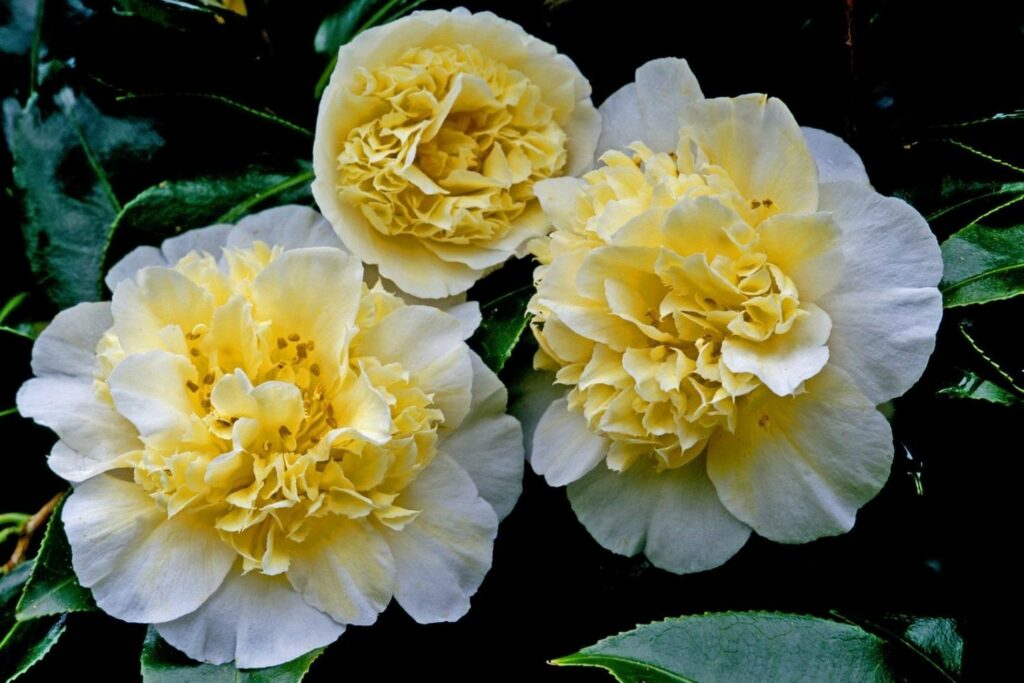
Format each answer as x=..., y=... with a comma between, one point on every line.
x=887, y=76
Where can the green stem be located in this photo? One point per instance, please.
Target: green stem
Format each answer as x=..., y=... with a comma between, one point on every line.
x=18, y=333
x=252, y=111
x=8, y=411
x=16, y=518
x=241, y=209
x=33, y=58
x=12, y=304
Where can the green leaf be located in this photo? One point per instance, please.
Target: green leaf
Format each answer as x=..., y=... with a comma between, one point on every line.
x=339, y=28
x=175, y=14
x=973, y=387
x=983, y=265
x=503, y=320
x=22, y=644
x=161, y=663
x=940, y=641
x=752, y=646
x=18, y=28
x=984, y=199
x=173, y=207
x=68, y=201
x=53, y=587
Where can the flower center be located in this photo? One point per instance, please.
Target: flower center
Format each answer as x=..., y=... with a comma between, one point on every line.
x=673, y=304
x=455, y=152
x=276, y=438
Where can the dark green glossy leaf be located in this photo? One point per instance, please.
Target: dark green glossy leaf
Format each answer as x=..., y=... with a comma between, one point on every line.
x=68, y=201
x=173, y=207
x=973, y=387
x=339, y=28
x=940, y=641
x=983, y=265
x=753, y=646
x=503, y=321
x=53, y=587
x=176, y=14
x=161, y=663
x=22, y=644
x=974, y=201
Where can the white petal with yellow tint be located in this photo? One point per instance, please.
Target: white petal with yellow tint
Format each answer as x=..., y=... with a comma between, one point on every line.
x=488, y=444
x=664, y=88
x=415, y=336
x=674, y=517
x=315, y=290
x=564, y=449
x=886, y=308
x=253, y=620
x=149, y=389
x=345, y=569
x=141, y=566
x=155, y=299
x=807, y=247
x=783, y=361
x=68, y=344
x=558, y=198
x=291, y=227
x=87, y=425
x=443, y=555
x=835, y=159
x=798, y=468
x=757, y=141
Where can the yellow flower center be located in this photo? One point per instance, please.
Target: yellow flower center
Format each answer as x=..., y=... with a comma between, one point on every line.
x=270, y=451
x=455, y=150
x=662, y=272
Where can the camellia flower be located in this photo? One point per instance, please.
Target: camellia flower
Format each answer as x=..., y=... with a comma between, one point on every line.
x=266, y=448
x=727, y=299
x=430, y=137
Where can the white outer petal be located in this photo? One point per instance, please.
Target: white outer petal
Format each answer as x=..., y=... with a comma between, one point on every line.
x=887, y=308
x=488, y=444
x=798, y=468
x=68, y=344
x=291, y=227
x=564, y=449
x=836, y=160
x=674, y=517
x=209, y=239
x=141, y=566
x=255, y=621
x=443, y=555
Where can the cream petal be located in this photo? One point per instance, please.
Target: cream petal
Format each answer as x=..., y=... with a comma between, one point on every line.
x=292, y=292
x=155, y=299
x=142, y=566
x=886, y=309
x=91, y=427
x=415, y=336
x=673, y=517
x=798, y=468
x=807, y=248
x=488, y=444
x=583, y=130
x=345, y=569
x=449, y=379
x=131, y=263
x=783, y=361
x=529, y=398
x=621, y=121
x=209, y=240
x=291, y=227
x=149, y=389
x=68, y=344
x=255, y=621
x=835, y=159
x=74, y=466
x=564, y=449
x=664, y=87
x=757, y=141
x=443, y=555
x=558, y=199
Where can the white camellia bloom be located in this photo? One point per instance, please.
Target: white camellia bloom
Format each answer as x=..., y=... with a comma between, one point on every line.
x=266, y=447
x=430, y=137
x=727, y=300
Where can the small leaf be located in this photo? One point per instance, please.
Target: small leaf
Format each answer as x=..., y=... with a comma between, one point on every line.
x=983, y=265
x=339, y=28
x=175, y=14
x=22, y=644
x=752, y=646
x=53, y=587
x=503, y=322
x=973, y=387
x=161, y=663
x=67, y=197
x=18, y=27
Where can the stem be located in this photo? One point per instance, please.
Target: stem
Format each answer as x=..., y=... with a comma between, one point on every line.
x=12, y=304
x=33, y=58
x=34, y=523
